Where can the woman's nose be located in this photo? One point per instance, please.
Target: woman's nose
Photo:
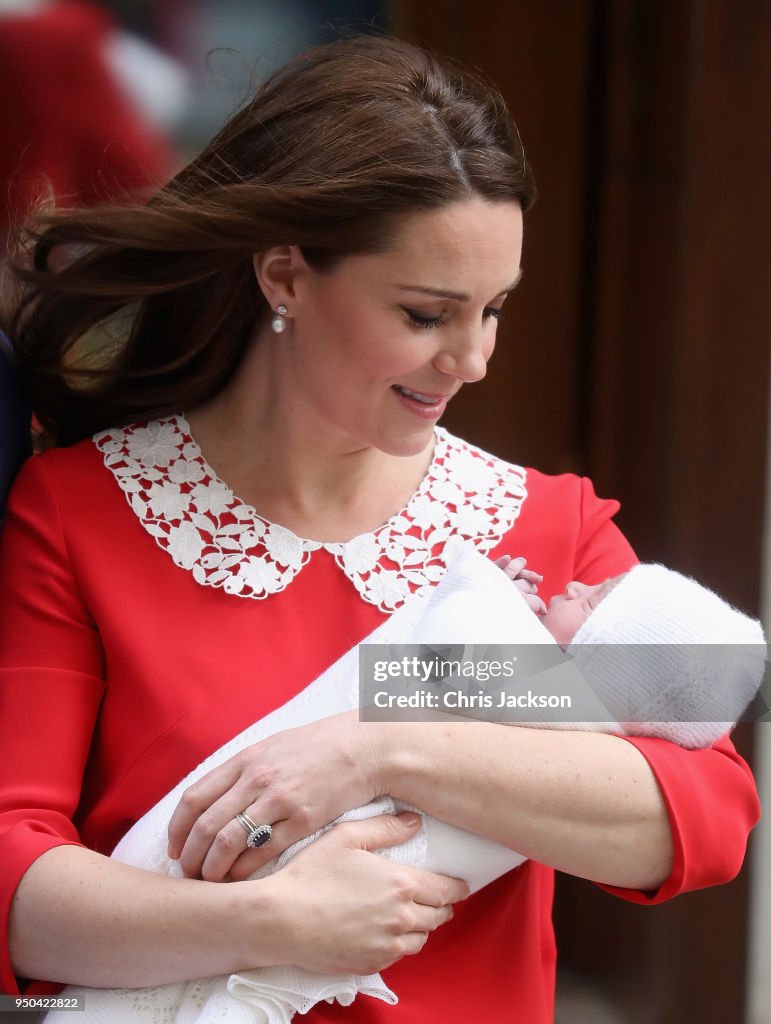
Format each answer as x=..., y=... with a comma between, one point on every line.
x=466, y=355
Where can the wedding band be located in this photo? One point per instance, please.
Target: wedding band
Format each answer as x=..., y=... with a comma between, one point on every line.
x=256, y=835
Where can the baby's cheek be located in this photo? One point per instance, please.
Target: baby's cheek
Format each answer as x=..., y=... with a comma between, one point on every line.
x=563, y=620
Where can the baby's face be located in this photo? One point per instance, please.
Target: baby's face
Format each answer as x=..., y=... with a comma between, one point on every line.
x=568, y=611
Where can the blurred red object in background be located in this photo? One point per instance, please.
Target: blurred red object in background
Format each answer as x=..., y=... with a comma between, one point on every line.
x=68, y=127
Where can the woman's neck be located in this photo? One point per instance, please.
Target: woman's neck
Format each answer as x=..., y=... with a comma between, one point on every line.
x=295, y=471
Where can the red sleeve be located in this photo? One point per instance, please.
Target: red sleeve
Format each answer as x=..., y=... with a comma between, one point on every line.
x=602, y=550
x=710, y=794
x=50, y=688
x=712, y=805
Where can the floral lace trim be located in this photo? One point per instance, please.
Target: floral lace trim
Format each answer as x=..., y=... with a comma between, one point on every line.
x=466, y=497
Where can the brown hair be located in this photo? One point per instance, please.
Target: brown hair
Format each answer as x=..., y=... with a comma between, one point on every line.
x=332, y=150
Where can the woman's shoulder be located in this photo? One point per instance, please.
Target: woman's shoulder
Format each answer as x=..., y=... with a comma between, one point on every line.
x=568, y=490
x=72, y=477
x=559, y=491
x=561, y=525
x=70, y=464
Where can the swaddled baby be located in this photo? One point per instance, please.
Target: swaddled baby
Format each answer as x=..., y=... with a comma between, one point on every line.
x=665, y=655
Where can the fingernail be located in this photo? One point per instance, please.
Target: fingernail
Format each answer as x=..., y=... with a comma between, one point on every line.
x=411, y=820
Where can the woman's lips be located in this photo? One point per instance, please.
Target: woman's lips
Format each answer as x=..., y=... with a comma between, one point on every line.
x=432, y=408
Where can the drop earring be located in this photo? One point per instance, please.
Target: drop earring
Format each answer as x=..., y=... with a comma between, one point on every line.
x=278, y=323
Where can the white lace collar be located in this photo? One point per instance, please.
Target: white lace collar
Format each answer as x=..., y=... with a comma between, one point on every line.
x=467, y=496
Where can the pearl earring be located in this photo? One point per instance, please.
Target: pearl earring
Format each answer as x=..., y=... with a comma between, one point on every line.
x=278, y=323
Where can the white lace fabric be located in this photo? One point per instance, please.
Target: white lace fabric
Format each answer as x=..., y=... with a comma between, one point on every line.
x=467, y=496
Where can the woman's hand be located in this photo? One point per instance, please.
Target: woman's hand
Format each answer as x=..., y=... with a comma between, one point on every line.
x=296, y=781
x=337, y=908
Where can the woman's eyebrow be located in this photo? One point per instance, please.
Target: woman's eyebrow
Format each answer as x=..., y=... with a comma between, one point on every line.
x=446, y=293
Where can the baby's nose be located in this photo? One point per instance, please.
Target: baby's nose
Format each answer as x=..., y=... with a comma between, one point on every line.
x=574, y=589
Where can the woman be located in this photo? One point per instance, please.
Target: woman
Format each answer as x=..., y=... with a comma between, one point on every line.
x=265, y=484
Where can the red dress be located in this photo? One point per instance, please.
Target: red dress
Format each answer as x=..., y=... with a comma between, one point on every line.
x=146, y=616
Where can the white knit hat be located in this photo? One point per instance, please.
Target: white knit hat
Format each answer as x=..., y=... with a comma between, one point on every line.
x=668, y=650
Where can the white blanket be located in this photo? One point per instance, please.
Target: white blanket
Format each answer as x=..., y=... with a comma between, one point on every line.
x=474, y=602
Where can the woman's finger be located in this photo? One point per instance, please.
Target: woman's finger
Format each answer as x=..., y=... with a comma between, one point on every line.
x=195, y=801
x=428, y=919
x=229, y=858
x=413, y=942
x=217, y=838
x=436, y=891
x=217, y=845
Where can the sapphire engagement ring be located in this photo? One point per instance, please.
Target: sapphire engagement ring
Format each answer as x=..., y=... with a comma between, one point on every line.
x=256, y=835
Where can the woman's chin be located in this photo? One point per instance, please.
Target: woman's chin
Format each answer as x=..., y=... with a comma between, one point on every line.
x=408, y=445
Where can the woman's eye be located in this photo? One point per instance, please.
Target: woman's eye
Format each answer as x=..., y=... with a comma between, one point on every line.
x=426, y=322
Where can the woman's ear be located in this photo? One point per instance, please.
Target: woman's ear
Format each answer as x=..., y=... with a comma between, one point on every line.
x=279, y=271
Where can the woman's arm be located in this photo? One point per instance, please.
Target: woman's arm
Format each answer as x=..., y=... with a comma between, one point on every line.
x=631, y=814
x=584, y=803
x=79, y=917
x=82, y=918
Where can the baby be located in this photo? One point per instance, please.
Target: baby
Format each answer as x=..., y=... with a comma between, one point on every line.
x=566, y=612
x=670, y=656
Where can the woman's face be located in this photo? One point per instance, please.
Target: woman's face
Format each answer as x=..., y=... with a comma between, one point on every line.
x=378, y=346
